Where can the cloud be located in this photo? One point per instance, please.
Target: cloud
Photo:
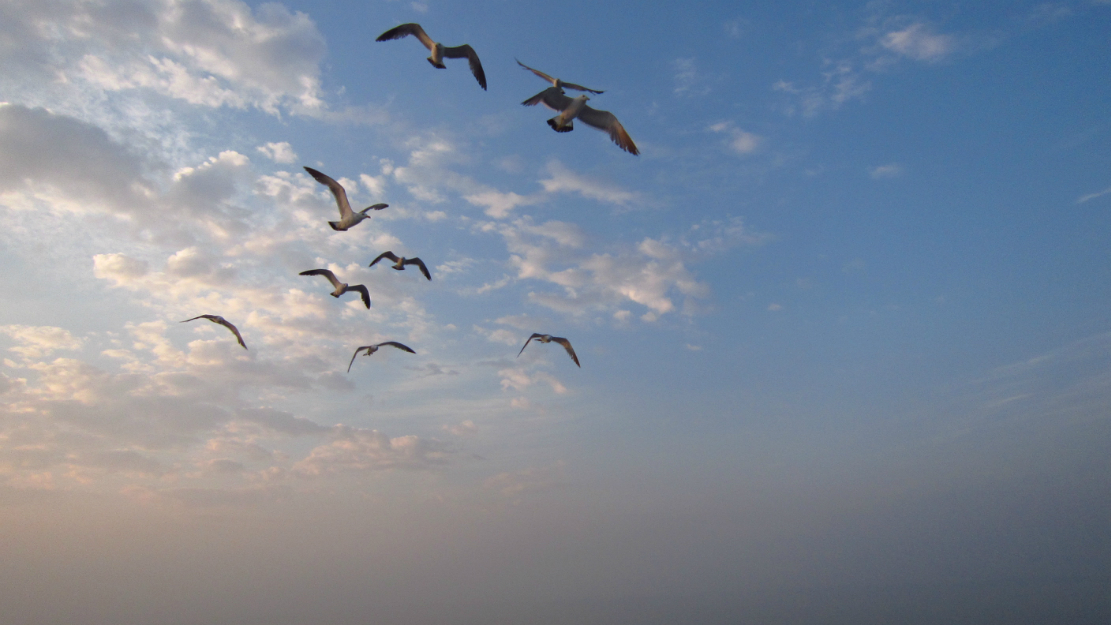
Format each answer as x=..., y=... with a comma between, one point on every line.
x=1091, y=196
x=740, y=141
x=278, y=152
x=360, y=451
x=891, y=170
x=533, y=479
x=563, y=180
x=687, y=78
x=39, y=341
x=917, y=42
x=463, y=428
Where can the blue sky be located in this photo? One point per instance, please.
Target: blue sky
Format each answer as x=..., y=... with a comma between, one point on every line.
x=843, y=323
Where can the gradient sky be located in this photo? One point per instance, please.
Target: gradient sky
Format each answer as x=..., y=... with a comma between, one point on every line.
x=843, y=324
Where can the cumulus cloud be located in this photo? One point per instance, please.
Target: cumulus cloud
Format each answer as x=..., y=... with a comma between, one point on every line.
x=39, y=341
x=360, y=451
x=738, y=140
x=917, y=42
x=563, y=180
x=280, y=152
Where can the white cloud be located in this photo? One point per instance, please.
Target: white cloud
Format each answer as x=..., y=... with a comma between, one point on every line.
x=39, y=341
x=463, y=428
x=739, y=141
x=563, y=180
x=1091, y=196
x=917, y=42
x=891, y=170
x=358, y=450
x=280, y=152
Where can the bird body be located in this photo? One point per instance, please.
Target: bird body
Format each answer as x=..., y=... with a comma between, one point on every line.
x=570, y=109
x=400, y=262
x=370, y=349
x=556, y=82
x=548, y=338
x=340, y=287
x=222, y=321
x=348, y=217
x=439, y=52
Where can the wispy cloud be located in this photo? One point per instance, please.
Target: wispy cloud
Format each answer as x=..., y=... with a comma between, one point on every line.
x=918, y=42
x=1091, y=196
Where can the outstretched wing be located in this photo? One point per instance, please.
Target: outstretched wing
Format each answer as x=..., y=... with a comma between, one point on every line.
x=373, y=207
x=466, y=51
x=389, y=255
x=362, y=291
x=567, y=345
x=571, y=85
x=404, y=348
x=605, y=120
x=357, y=350
x=322, y=272
x=553, y=98
x=209, y=317
x=405, y=30
x=535, y=335
x=224, y=322
x=538, y=73
x=420, y=264
x=337, y=191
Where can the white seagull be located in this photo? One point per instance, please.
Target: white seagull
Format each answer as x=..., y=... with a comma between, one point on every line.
x=572, y=108
x=348, y=217
x=341, y=288
x=222, y=321
x=556, y=82
x=400, y=263
x=548, y=338
x=439, y=52
x=374, y=348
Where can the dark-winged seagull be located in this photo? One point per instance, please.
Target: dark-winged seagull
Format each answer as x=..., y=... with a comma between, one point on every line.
x=400, y=263
x=341, y=288
x=556, y=82
x=348, y=217
x=439, y=52
x=374, y=348
x=572, y=108
x=548, y=338
x=222, y=321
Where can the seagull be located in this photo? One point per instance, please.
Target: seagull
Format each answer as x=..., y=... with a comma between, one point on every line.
x=556, y=82
x=400, y=263
x=548, y=338
x=571, y=108
x=222, y=321
x=341, y=288
x=348, y=217
x=374, y=348
x=438, y=51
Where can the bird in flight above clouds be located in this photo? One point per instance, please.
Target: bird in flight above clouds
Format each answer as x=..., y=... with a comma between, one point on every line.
x=400, y=263
x=439, y=52
x=556, y=82
x=548, y=338
x=341, y=288
x=222, y=321
x=348, y=217
x=374, y=348
x=573, y=108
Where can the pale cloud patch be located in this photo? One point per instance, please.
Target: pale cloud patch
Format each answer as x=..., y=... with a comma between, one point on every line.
x=917, y=42
x=563, y=180
x=280, y=152
x=738, y=140
x=39, y=341
x=356, y=450
x=498, y=204
x=687, y=79
x=891, y=170
x=1091, y=196
x=533, y=479
x=462, y=429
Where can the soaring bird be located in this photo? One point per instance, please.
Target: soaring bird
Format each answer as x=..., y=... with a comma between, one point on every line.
x=400, y=263
x=438, y=50
x=374, y=348
x=341, y=288
x=572, y=108
x=222, y=321
x=556, y=82
x=548, y=338
x=348, y=217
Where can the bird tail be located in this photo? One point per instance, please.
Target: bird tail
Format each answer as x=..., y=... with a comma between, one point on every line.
x=336, y=226
x=558, y=128
x=435, y=64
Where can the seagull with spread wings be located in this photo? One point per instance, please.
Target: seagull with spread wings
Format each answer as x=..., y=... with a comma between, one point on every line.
x=222, y=321
x=573, y=108
x=556, y=82
x=341, y=288
x=348, y=217
x=439, y=52
x=374, y=348
x=548, y=338
x=401, y=262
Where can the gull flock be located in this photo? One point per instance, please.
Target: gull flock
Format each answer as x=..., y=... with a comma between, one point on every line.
x=568, y=110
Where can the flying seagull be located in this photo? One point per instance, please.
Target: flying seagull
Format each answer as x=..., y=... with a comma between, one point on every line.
x=548, y=338
x=341, y=288
x=556, y=82
x=374, y=348
x=348, y=217
x=400, y=263
x=222, y=321
x=572, y=108
x=439, y=52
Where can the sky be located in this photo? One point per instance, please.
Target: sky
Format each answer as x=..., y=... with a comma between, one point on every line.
x=843, y=323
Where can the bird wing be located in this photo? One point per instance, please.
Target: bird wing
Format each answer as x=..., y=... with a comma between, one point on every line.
x=466, y=51
x=362, y=290
x=374, y=207
x=420, y=264
x=323, y=272
x=198, y=317
x=553, y=98
x=567, y=345
x=605, y=120
x=224, y=322
x=337, y=191
x=405, y=30
x=571, y=85
x=538, y=73
x=389, y=255
x=535, y=335
x=357, y=350
x=404, y=348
